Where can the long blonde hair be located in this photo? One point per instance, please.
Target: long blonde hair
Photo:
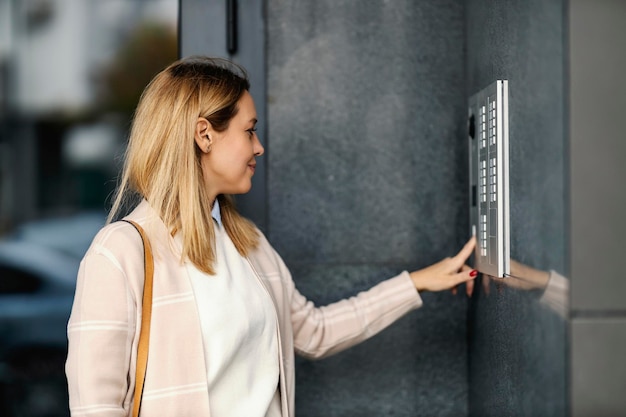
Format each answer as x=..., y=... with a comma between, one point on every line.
x=162, y=160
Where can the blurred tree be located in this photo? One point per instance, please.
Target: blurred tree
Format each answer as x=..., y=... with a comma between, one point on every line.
x=149, y=49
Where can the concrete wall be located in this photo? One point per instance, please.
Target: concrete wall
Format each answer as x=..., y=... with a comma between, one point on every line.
x=367, y=177
x=517, y=344
x=598, y=203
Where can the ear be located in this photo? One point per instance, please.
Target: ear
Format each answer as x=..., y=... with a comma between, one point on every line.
x=202, y=134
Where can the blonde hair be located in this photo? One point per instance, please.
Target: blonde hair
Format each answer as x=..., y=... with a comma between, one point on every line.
x=162, y=160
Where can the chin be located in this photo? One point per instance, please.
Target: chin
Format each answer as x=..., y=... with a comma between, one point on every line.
x=243, y=190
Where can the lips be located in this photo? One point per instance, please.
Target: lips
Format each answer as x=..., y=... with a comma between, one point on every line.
x=252, y=167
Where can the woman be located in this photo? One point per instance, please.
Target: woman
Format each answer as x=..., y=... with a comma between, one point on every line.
x=226, y=316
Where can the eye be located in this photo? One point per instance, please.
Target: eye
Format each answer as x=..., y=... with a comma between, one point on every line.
x=251, y=131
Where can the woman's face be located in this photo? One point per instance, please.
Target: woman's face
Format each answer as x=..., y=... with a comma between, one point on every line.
x=230, y=163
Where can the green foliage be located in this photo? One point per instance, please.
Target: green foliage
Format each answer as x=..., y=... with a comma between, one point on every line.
x=150, y=48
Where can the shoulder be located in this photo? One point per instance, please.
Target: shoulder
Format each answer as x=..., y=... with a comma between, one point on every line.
x=123, y=239
x=119, y=242
x=117, y=234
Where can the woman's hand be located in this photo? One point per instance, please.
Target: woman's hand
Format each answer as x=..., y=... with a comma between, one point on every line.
x=448, y=273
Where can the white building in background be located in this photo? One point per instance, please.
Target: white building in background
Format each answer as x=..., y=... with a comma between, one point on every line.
x=58, y=44
x=51, y=66
x=50, y=52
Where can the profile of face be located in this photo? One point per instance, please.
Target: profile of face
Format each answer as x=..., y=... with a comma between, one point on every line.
x=228, y=157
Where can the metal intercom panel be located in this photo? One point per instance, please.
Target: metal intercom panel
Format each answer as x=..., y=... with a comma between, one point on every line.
x=489, y=178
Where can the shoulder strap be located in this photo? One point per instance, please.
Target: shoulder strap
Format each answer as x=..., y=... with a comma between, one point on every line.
x=144, y=334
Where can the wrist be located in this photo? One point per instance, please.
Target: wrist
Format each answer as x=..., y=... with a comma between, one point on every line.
x=417, y=282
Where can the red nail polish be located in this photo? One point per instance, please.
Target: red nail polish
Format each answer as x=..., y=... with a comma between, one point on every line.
x=473, y=273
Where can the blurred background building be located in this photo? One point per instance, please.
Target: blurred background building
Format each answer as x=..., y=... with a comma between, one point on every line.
x=71, y=72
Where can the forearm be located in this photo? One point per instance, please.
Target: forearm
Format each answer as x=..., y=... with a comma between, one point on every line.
x=320, y=332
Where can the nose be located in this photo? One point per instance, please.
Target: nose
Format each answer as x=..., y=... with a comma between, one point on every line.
x=258, y=148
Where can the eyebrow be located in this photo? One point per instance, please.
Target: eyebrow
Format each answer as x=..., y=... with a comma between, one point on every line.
x=254, y=120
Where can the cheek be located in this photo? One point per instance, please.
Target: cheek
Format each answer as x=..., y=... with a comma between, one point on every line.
x=244, y=152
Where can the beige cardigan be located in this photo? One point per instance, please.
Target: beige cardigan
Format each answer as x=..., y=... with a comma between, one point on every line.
x=103, y=334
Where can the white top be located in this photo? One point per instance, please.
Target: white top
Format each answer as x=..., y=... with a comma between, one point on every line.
x=239, y=333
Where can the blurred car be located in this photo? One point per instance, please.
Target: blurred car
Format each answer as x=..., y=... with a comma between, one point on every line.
x=38, y=266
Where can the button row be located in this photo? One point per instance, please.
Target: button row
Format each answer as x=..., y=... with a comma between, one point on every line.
x=483, y=235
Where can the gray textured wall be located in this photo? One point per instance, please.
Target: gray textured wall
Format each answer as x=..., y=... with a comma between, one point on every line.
x=367, y=177
x=598, y=203
x=518, y=347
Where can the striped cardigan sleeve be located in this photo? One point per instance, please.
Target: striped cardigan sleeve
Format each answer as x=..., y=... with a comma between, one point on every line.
x=101, y=331
x=322, y=331
x=556, y=294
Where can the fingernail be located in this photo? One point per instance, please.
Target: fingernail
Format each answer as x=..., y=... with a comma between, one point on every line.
x=473, y=273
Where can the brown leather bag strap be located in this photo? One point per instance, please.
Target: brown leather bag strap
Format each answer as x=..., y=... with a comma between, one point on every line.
x=144, y=334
